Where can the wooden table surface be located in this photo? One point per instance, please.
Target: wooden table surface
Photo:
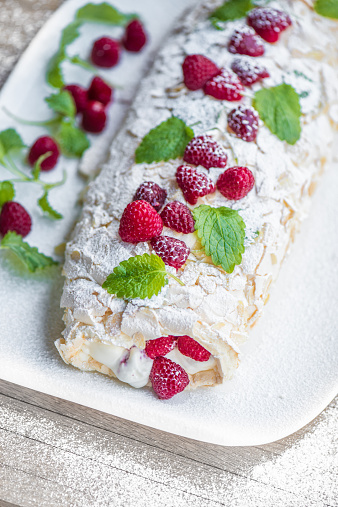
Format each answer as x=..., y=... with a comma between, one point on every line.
x=56, y=453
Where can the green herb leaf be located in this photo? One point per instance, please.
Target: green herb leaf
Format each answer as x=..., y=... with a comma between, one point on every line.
x=7, y=192
x=168, y=140
x=10, y=140
x=62, y=103
x=103, y=13
x=279, y=108
x=54, y=74
x=232, y=9
x=29, y=255
x=47, y=208
x=70, y=33
x=327, y=8
x=222, y=233
x=72, y=140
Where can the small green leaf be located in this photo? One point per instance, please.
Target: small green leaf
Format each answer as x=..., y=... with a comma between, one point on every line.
x=168, y=140
x=54, y=74
x=232, y=9
x=279, y=108
x=47, y=208
x=103, y=13
x=327, y=8
x=7, y=192
x=222, y=233
x=72, y=140
x=70, y=33
x=29, y=255
x=37, y=166
x=10, y=140
x=62, y=103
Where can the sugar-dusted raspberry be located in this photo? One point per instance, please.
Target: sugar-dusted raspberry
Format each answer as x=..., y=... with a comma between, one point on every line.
x=79, y=94
x=152, y=193
x=100, y=90
x=139, y=222
x=224, y=86
x=205, y=151
x=167, y=378
x=160, y=346
x=245, y=41
x=178, y=217
x=14, y=217
x=193, y=184
x=197, y=70
x=249, y=71
x=235, y=183
x=243, y=121
x=269, y=22
x=41, y=146
x=191, y=348
x=172, y=251
x=94, y=117
x=105, y=52
x=134, y=37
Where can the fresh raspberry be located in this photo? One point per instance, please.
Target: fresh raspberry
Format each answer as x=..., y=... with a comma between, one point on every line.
x=235, y=183
x=191, y=348
x=249, y=71
x=152, y=193
x=140, y=222
x=99, y=90
x=134, y=37
x=178, y=217
x=197, y=70
x=245, y=41
x=269, y=23
x=105, y=52
x=160, y=346
x=224, y=86
x=205, y=151
x=79, y=95
x=193, y=184
x=172, y=251
x=41, y=146
x=14, y=217
x=243, y=121
x=94, y=117
x=167, y=378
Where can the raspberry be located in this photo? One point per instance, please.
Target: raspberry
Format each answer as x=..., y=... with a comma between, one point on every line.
x=224, y=86
x=105, y=52
x=178, y=217
x=79, y=95
x=172, y=251
x=160, y=346
x=243, y=121
x=193, y=184
x=248, y=71
x=236, y=182
x=99, y=90
x=14, y=217
x=94, y=117
x=205, y=151
x=245, y=41
x=41, y=146
x=152, y=193
x=269, y=23
x=197, y=70
x=167, y=378
x=191, y=348
x=134, y=37
x=139, y=222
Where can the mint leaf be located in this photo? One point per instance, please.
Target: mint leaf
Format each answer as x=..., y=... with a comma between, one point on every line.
x=73, y=141
x=70, y=33
x=168, y=140
x=327, y=8
x=279, y=108
x=29, y=255
x=7, y=192
x=62, y=103
x=103, y=13
x=232, y=9
x=9, y=140
x=54, y=74
x=222, y=233
x=47, y=208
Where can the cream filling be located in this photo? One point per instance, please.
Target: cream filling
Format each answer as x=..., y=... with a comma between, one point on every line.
x=190, y=365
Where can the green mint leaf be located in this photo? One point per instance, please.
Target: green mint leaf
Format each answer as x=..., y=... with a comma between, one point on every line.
x=103, y=13
x=70, y=33
x=72, y=140
x=10, y=140
x=62, y=103
x=47, y=208
x=168, y=140
x=29, y=255
x=327, y=8
x=138, y=277
x=37, y=166
x=279, y=108
x=222, y=232
x=7, y=192
x=54, y=75
x=232, y=9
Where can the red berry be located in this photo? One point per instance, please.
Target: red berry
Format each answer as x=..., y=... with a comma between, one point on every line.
x=236, y=182
x=134, y=37
x=41, y=146
x=105, y=52
x=79, y=95
x=140, y=222
x=249, y=71
x=99, y=90
x=172, y=251
x=245, y=41
x=193, y=184
x=191, y=348
x=197, y=70
x=205, y=151
x=94, y=117
x=152, y=193
x=160, y=346
x=224, y=86
x=269, y=23
x=14, y=217
x=167, y=378
x=243, y=121
x=178, y=217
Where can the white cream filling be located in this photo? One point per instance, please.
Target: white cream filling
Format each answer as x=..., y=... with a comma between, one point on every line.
x=190, y=365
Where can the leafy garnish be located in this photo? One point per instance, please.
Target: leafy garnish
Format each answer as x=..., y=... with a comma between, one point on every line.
x=7, y=192
x=103, y=13
x=54, y=75
x=168, y=140
x=232, y=9
x=327, y=8
x=48, y=209
x=222, y=233
x=72, y=140
x=279, y=108
x=62, y=103
x=70, y=33
x=9, y=140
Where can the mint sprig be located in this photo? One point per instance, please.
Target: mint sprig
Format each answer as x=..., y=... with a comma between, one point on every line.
x=62, y=103
x=71, y=139
x=7, y=192
x=327, y=8
x=231, y=9
x=103, y=13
